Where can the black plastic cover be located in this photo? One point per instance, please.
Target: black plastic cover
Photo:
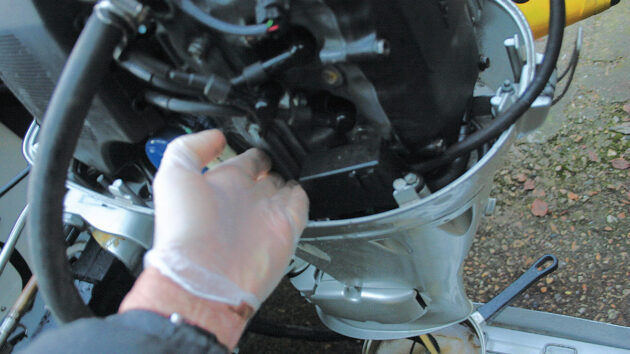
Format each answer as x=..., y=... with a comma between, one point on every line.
x=349, y=179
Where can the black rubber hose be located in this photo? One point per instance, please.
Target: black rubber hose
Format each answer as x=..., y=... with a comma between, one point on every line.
x=191, y=107
x=14, y=181
x=267, y=328
x=62, y=123
x=456, y=168
x=190, y=9
x=522, y=104
x=20, y=265
x=145, y=74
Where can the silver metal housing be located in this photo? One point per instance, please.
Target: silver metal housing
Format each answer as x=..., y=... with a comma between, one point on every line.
x=390, y=275
x=399, y=273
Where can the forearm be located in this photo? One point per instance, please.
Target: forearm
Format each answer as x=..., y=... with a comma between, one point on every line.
x=155, y=292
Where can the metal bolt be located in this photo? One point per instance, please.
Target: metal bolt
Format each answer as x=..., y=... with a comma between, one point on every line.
x=197, y=47
x=331, y=76
x=507, y=86
x=254, y=130
x=484, y=62
x=299, y=100
x=382, y=47
x=411, y=178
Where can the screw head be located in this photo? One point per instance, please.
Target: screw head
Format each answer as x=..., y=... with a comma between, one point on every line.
x=411, y=178
x=484, y=62
x=332, y=77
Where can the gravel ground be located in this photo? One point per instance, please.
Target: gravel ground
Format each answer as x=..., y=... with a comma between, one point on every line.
x=563, y=190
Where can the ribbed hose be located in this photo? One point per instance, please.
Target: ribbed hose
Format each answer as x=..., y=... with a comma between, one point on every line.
x=62, y=123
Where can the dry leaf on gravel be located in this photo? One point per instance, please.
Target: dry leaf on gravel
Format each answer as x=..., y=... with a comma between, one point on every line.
x=592, y=155
x=620, y=164
x=572, y=196
x=529, y=185
x=539, y=208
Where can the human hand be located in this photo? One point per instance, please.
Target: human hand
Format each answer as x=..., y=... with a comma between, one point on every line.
x=226, y=235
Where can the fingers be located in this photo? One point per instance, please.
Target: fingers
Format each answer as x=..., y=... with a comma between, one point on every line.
x=269, y=184
x=194, y=151
x=206, y=145
x=254, y=162
x=295, y=203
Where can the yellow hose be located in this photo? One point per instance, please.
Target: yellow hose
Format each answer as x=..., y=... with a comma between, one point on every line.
x=537, y=12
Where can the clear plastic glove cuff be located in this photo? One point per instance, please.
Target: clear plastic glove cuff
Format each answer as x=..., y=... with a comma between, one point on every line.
x=197, y=280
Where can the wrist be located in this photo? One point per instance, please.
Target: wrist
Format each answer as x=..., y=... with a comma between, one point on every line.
x=155, y=292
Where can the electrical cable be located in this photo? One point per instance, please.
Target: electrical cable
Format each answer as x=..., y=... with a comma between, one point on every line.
x=267, y=328
x=178, y=105
x=430, y=343
x=87, y=65
x=190, y=9
x=155, y=80
x=575, y=57
x=14, y=181
x=522, y=104
x=19, y=263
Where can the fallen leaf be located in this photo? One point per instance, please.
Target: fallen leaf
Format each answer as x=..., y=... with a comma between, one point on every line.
x=529, y=185
x=543, y=289
x=620, y=164
x=592, y=155
x=621, y=215
x=578, y=138
x=592, y=193
x=539, y=193
x=572, y=196
x=521, y=177
x=539, y=208
x=608, y=228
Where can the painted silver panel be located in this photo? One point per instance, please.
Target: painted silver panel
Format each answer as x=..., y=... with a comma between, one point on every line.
x=421, y=245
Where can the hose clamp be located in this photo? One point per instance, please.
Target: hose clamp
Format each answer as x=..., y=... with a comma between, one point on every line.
x=125, y=14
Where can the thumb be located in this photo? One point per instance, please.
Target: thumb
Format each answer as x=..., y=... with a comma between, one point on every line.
x=194, y=151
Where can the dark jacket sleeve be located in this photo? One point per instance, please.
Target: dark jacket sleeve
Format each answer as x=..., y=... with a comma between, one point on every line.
x=130, y=332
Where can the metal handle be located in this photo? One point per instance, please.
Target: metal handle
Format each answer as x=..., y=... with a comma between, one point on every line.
x=521, y=284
